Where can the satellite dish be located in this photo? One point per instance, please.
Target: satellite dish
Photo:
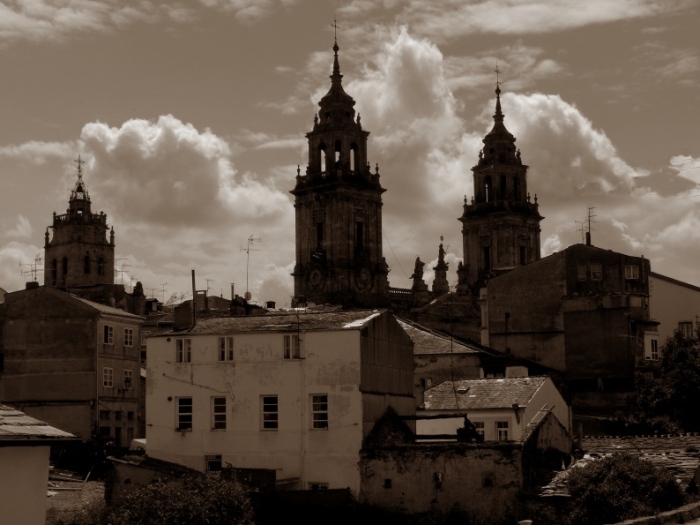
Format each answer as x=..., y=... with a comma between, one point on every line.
x=247, y=296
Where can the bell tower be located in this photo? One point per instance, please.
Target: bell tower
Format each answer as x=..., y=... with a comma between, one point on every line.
x=501, y=225
x=338, y=210
x=79, y=253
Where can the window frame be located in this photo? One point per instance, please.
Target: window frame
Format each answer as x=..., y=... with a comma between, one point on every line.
x=596, y=272
x=128, y=337
x=269, y=412
x=686, y=328
x=631, y=272
x=319, y=411
x=218, y=413
x=213, y=462
x=183, y=352
x=502, y=430
x=292, y=346
x=182, y=414
x=225, y=352
x=107, y=377
x=480, y=427
x=128, y=374
x=108, y=334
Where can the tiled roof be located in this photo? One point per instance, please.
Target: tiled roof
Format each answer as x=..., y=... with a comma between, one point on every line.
x=471, y=394
x=17, y=426
x=427, y=341
x=283, y=322
x=105, y=309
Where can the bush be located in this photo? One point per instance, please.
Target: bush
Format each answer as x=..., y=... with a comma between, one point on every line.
x=619, y=488
x=196, y=500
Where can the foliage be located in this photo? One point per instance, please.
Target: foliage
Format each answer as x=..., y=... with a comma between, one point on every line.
x=195, y=500
x=671, y=400
x=620, y=487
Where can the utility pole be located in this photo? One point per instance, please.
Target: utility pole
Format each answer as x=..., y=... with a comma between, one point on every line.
x=248, y=249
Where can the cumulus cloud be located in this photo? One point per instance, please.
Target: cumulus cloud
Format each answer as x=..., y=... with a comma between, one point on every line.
x=168, y=173
x=41, y=20
x=37, y=152
x=22, y=228
x=248, y=10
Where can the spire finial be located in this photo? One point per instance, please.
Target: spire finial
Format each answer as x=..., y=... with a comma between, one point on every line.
x=336, y=65
x=80, y=163
x=335, y=31
x=499, y=115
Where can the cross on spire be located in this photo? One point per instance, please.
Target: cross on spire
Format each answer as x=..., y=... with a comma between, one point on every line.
x=335, y=30
x=497, y=72
x=80, y=163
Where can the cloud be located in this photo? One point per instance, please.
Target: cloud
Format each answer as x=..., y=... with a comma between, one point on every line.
x=37, y=152
x=248, y=11
x=168, y=173
x=22, y=228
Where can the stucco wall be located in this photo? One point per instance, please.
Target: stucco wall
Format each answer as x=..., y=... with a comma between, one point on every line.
x=481, y=481
x=331, y=365
x=23, y=481
x=671, y=303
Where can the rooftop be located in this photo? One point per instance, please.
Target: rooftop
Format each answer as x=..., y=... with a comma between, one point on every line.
x=283, y=321
x=473, y=394
x=17, y=426
x=427, y=341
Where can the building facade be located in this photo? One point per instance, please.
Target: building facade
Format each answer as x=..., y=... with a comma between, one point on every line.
x=338, y=210
x=72, y=363
x=675, y=305
x=293, y=393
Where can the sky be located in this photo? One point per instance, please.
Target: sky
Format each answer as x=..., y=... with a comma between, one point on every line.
x=191, y=117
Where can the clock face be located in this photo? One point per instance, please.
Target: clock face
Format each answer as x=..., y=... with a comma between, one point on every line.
x=363, y=279
x=316, y=278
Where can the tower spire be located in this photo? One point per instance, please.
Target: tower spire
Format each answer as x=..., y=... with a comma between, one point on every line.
x=336, y=65
x=498, y=116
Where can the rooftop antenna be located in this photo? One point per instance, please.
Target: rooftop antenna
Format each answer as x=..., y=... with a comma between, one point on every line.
x=581, y=227
x=248, y=249
x=33, y=267
x=121, y=271
x=163, y=287
x=588, y=233
x=209, y=281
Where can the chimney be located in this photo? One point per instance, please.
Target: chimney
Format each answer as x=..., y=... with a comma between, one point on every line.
x=31, y=285
x=588, y=238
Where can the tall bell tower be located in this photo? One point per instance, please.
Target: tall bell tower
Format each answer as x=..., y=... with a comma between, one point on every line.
x=501, y=225
x=79, y=254
x=338, y=210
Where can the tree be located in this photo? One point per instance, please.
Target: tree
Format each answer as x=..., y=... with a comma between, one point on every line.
x=618, y=488
x=194, y=500
x=674, y=395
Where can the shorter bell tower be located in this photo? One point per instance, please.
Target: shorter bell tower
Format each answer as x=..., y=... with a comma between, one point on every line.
x=501, y=225
x=79, y=253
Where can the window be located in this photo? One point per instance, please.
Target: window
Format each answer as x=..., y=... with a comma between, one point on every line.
x=183, y=352
x=654, y=349
x=487, y=258
x=54, y=271
x=292, y=346
x=225, y=348
x=213, y=463
x=128, y=337
x=523, y=256
x=596, y=272
x=319, y=411
x=581, y=272
x=105, y=432
x=319, y=235
x=184, y=413
x=107, y=377
x=631, y=271
x=686, y=328
x=502, y=430
x=86, y=264
x=108, y=335
x=105, y=415
x=218, y=413
x=130, y=417
x=65, y=266
x=479, y=426
x=118, y=415
x=269, y=412
x=128, y=379
x=360, y=237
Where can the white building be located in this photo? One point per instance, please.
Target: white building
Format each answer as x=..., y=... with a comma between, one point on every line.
x=291, y=392
x=500, y=409
x=675, y=304
x=25, y=444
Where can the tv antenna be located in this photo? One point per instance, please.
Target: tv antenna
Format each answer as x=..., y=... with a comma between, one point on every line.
x=163, y=287
x=33, y=267
x=248, y=249
x=581, y=227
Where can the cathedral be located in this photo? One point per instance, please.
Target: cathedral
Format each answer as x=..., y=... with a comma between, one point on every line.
x=338, y=211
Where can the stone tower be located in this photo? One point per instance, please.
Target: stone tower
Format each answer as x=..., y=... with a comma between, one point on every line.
x=79, y=255
x=501, y=226
x=338, y=210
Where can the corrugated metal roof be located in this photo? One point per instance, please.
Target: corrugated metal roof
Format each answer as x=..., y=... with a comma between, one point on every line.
x=15, y=425
x=427, y=341
x=282, y=322
x=472, y=394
